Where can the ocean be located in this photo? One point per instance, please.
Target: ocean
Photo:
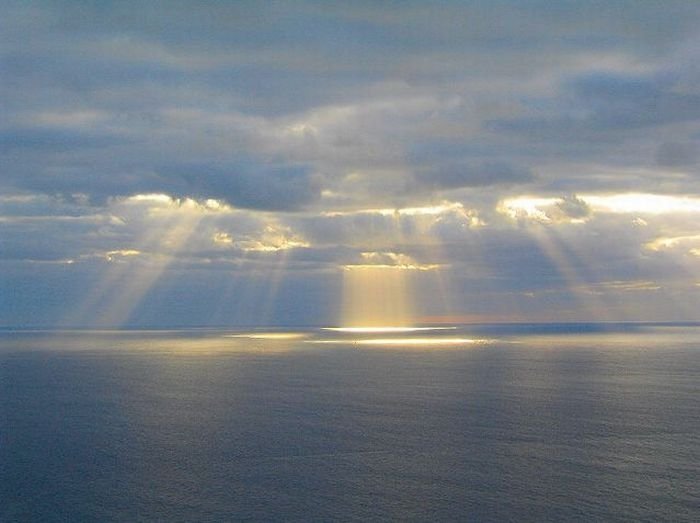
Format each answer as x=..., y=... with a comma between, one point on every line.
x=574, y=422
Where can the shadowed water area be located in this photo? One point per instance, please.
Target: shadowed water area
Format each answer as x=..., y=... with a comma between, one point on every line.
x=489, y=423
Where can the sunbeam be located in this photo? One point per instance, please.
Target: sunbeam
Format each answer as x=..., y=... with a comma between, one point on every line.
x=379, y=286
x=125, y=282
x=588, y=304
x=376, y=296
x=136, y=285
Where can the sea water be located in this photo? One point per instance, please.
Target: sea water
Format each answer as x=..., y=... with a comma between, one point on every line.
x=504, y=423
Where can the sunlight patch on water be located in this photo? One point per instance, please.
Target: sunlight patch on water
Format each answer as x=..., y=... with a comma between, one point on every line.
x=378, y=330
x=269, y=335
x=408, y=342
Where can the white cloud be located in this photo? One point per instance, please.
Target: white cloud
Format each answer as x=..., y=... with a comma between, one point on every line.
x=577, y=208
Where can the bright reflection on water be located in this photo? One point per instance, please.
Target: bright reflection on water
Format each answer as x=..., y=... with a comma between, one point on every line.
x=425, y=342
x=380, y=329
x=407, y=342
x=542, y=423
x=270, y=335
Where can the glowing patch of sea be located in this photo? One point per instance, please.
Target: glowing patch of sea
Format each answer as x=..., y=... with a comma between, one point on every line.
x=427, y=342
x=379, y=330
x=269, y=335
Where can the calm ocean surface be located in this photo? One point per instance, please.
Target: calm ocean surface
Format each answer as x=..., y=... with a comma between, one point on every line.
x=499, y=423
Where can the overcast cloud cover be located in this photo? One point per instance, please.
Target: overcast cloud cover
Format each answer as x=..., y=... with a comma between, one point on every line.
x=200, y=163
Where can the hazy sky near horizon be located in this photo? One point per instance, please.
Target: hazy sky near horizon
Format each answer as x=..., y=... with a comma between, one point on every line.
x=201, y=163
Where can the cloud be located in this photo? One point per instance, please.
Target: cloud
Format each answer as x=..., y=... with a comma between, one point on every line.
x=246, y=184
x=503, y=142
x=354, y=96
x=573, y=207
x=593, y=106
x=41, y=139
x=455, y=175
x=613, y=101
x=675, y=154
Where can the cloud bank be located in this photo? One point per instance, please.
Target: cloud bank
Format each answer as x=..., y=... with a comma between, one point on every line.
x=541, y=159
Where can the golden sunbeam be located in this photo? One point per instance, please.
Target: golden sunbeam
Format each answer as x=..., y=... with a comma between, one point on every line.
x=379, y=290
x=376, y=297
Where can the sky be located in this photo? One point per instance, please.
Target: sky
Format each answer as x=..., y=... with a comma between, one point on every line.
x=276, y=163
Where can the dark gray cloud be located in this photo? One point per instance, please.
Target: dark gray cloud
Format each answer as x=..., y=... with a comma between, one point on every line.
x=573, y=207
x=601, y=106
x=455, y=175
x=677, y=154
x=245, y=184
x=39, y=140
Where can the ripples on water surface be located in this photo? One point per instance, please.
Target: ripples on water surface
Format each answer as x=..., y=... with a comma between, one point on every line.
x=483, y=423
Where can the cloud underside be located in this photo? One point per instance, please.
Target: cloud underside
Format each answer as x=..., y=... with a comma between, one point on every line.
x=591, y=255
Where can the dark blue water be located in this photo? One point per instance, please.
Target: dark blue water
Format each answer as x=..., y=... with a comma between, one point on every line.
x=533, y=424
